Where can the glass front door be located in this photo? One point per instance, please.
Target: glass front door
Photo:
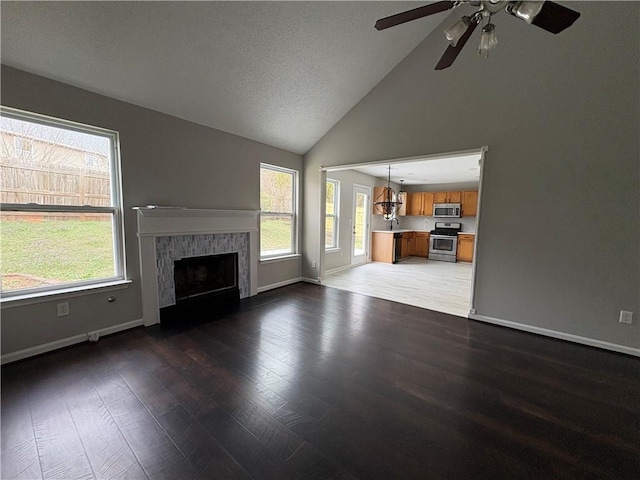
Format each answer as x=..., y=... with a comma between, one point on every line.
x=360, y=224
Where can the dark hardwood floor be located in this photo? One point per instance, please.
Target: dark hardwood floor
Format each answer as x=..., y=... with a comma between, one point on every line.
x=312, y=382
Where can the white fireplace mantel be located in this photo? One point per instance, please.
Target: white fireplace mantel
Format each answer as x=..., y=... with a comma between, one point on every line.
x=171, y=221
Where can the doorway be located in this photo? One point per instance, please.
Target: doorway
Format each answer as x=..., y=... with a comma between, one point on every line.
x=360, y=224
x=444, y=172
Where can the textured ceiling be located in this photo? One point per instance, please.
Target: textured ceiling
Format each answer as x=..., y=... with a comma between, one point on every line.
x=282, y=73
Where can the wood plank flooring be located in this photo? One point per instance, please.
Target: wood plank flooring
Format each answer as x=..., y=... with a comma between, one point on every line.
x=317, y=383
x=440, y=286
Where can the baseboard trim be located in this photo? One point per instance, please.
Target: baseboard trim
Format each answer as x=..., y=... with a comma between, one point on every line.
x=66, y=342
x=337, y=269
x=559, y=335
x=315, y=281
x=284, y=283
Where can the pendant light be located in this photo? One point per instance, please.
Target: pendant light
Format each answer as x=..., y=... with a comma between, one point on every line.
x=387, y=201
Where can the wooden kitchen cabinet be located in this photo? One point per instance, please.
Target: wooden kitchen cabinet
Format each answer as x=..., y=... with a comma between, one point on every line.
x=382, y=247
x=465, y=247
x=421, y=244
x=414, y=203
x=427, y=203
x=411, y=243
x=447, y=197
x=470, y=203
x=407, y=245
x=420, y=203
x=440, y=197
x=454, y=197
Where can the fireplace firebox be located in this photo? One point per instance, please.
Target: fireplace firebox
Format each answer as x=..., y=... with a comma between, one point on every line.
x=203, y=285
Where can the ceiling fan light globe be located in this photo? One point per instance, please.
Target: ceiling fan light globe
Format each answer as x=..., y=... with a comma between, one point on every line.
x=456, y=31
x=528, y=11
x=488, y=40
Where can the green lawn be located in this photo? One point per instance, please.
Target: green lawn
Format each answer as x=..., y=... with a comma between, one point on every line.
x=275, y=234
x=55, y=251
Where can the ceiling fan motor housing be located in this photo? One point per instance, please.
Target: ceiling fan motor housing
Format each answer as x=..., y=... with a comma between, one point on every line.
x=494, y=6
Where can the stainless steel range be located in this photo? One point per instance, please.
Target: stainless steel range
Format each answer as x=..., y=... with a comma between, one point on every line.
x=443, y=241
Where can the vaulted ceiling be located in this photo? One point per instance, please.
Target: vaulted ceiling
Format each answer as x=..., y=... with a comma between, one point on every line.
x=281, y=73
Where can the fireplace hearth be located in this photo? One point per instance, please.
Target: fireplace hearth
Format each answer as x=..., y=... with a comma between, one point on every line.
x=204, y=286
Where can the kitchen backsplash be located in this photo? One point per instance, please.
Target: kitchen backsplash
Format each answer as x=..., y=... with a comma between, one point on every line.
x=422, y=223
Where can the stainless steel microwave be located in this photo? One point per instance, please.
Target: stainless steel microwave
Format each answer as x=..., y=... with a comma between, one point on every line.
x=446, y=210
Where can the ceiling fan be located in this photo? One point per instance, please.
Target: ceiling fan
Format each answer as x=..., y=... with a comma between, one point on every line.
x=547, y=15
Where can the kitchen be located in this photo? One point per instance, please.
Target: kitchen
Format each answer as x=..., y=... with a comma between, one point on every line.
x=423, y=216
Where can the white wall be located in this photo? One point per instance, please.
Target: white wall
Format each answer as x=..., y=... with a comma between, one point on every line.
x=560, y=116
x=165, y=161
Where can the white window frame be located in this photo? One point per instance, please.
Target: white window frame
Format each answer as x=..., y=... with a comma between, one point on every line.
x=335, y=216
x=293, y=214
x=115, y=209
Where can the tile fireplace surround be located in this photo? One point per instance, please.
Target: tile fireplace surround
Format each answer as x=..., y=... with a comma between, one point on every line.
x=166, y=234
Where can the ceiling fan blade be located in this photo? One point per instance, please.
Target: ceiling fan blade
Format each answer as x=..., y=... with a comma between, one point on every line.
x=414, y=14
x=451, y=53
x=555, y=18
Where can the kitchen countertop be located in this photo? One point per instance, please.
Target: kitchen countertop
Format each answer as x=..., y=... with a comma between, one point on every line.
x=406, y=230
x=401, y=230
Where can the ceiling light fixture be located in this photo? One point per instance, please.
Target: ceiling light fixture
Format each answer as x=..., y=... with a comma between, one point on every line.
x=488, y=40
x=526, y=11
x=387, y=200
x=457, y=30
x=547, y=15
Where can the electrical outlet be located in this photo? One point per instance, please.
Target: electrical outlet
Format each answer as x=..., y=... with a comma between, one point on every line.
x=626, y=317
x=63, y=309
x=313, y=264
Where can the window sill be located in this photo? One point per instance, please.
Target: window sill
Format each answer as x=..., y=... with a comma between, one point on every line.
x=332, y=250
x=41, y=297
x=282, y=258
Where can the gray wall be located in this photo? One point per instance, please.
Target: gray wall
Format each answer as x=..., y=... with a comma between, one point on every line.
x=165, y=161
x=559, y=230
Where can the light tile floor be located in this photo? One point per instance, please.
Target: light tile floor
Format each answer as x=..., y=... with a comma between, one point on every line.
x=440, y=286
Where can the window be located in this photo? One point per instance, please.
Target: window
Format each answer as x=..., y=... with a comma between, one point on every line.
x=278, y=210
x=60, y=224
x=331, y=215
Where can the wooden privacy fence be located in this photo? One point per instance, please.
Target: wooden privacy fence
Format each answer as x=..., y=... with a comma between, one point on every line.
x=53, y=185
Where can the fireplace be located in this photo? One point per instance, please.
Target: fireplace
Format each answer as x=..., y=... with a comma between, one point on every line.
x=210, y=274
x=204, y=286
x=172, y=238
